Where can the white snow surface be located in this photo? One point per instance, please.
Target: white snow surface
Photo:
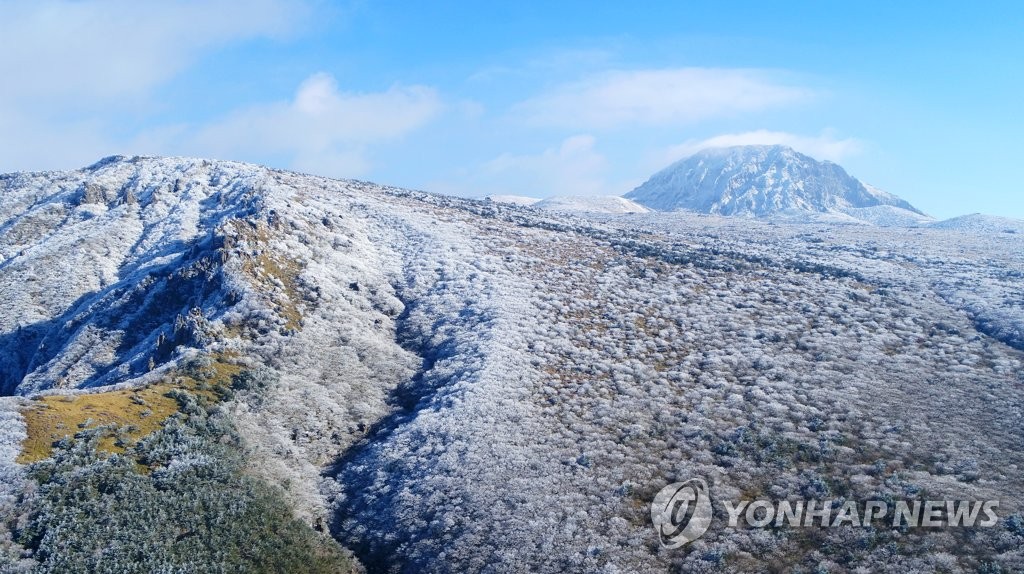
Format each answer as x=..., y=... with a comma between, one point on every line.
x=591, y=204
x=980, y=223
x=482, y=387
x=513, y=199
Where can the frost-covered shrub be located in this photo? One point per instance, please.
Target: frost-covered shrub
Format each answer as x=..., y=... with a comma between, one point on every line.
x=190, y=507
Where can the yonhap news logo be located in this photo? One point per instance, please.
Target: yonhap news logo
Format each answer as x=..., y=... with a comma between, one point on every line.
x=682, y=512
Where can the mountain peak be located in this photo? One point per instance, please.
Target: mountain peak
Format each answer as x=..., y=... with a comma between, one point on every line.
x=746, y=153
x=762, y=181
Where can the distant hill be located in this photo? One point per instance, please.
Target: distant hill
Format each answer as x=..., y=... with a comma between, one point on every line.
x=768, y=181
x=600, y=204
x=513, y=199
x=980, y=223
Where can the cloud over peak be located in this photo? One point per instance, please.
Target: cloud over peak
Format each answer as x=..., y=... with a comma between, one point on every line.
x=825, y=146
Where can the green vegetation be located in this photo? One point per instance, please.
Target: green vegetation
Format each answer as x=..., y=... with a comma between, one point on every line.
x=193, y=508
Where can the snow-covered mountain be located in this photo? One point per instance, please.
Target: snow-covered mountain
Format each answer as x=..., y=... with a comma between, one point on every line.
x=610, y=204
x=214, y=366
x=980, y=223
x=766, y=181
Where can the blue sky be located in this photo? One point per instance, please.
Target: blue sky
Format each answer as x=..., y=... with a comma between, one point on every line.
x=528, y=98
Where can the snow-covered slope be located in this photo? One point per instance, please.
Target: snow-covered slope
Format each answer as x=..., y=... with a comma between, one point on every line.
x=888, y=216
x=980, y=223
x=762, y=181
x=513, y=199
x=611, y=204
x=451, y=385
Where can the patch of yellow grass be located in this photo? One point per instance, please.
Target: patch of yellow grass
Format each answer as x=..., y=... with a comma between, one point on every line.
x=210, y=382
x=138, y=412
x=268, y=269
x=132, y=413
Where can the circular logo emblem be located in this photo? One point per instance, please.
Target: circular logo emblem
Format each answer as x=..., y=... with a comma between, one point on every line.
x=681, y=512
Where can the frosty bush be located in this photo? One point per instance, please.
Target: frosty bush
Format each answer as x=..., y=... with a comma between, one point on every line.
x=191, y=507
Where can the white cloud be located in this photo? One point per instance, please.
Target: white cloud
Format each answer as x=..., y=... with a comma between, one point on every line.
x=823, y=146
x=574, y=167
x=90, y=52
x=658, y=97
x=322, y=129
x=73, y=72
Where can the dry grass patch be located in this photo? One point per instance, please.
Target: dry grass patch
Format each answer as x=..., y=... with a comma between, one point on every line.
x=270, y=272
x=135, y=412
x=131, y=414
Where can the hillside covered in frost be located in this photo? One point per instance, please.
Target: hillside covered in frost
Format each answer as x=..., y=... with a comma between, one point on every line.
x=770, y=181
x=213, y=366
